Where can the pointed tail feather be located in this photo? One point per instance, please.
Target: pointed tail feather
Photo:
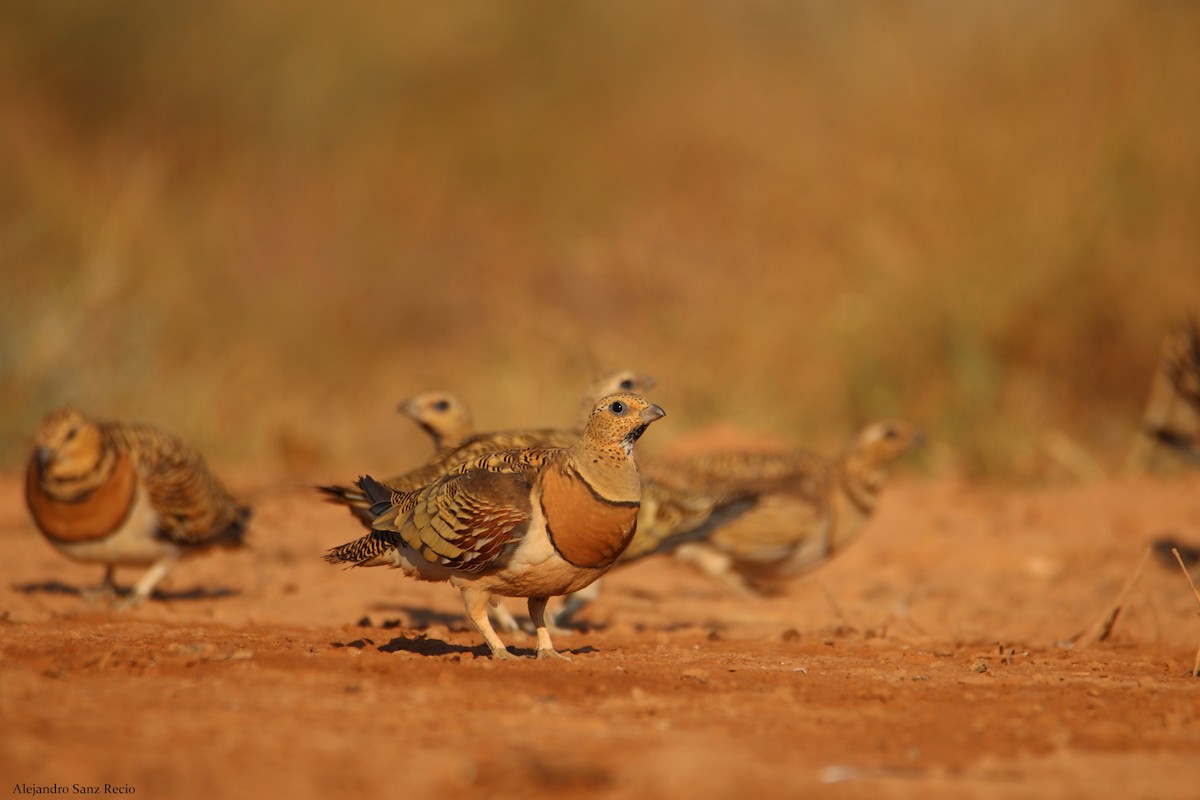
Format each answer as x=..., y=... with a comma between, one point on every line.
x=375, y=493
x=343, y=495
x=372, y=550
x=353, y=499
x=372, y=500
x=343, y=554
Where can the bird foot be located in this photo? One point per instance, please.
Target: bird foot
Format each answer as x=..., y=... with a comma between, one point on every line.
x=104, y=593
x=130, y=601
x=544, y=655
x=502, y=654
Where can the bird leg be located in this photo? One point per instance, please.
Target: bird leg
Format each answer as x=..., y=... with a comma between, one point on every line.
x=145, y=586
x=714, y=564
x=537, y=613
x=107, y=590
x=477, y=602
x=502, y=616
x=574, y=603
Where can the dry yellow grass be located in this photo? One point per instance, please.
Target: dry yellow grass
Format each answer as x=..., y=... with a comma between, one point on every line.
x=261, y=225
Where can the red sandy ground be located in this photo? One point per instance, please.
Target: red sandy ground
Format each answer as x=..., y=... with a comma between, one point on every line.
x=929, y=660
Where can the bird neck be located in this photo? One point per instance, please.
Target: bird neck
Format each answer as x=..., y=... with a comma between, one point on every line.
x=858, y=483
x=610, y=471
x=73, y=480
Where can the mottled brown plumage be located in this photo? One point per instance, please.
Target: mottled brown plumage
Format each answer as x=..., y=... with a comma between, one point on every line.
x=534, y=523
x=126, y=494
x=1181, y=362
x=797, y=521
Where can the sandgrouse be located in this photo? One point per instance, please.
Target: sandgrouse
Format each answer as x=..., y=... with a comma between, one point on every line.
x=801, y=510
x=535, y=522
x=126, y=494
x=449, y=428
x=1172, y=415
x=448, y=421
x=753, y=519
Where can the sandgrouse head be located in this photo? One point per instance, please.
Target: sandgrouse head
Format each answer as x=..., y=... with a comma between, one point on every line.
x=622, y=380
x=68, y=444
x=619, y=419
x=881, y=443
x=443, y=415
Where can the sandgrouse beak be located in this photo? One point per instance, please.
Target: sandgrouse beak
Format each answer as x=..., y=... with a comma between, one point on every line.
x=647, y=383
x=651, y=413
x=45, y=457
x=647, y=415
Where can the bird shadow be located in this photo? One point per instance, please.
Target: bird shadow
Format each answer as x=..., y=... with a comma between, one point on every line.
x=1188, y=553
x=571, y=624
x=421, y=645
x=197, y=593
x=58, y=587
x=424, y=618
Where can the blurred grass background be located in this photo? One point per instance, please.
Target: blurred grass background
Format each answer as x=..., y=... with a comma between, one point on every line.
x=262, y=224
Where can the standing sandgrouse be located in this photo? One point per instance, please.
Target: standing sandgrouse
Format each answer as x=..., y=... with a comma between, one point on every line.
x=534, y=523
x=126, y=495
x=447, y=420
x=451, y=426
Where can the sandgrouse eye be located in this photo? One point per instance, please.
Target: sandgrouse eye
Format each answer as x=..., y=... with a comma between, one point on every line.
x=442, y=405
x=617, y=407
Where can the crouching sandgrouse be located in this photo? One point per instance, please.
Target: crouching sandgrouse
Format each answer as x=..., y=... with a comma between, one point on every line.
x=122, y=494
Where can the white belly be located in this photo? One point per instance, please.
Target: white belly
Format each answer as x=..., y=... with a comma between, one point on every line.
x=535, y=569
x=136, y=542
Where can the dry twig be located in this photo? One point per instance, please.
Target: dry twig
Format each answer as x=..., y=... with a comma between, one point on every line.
x=1104, y=626
x=1188, y=575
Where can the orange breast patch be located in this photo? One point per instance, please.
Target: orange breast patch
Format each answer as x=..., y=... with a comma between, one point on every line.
x=585, y=529
x=92, y=517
